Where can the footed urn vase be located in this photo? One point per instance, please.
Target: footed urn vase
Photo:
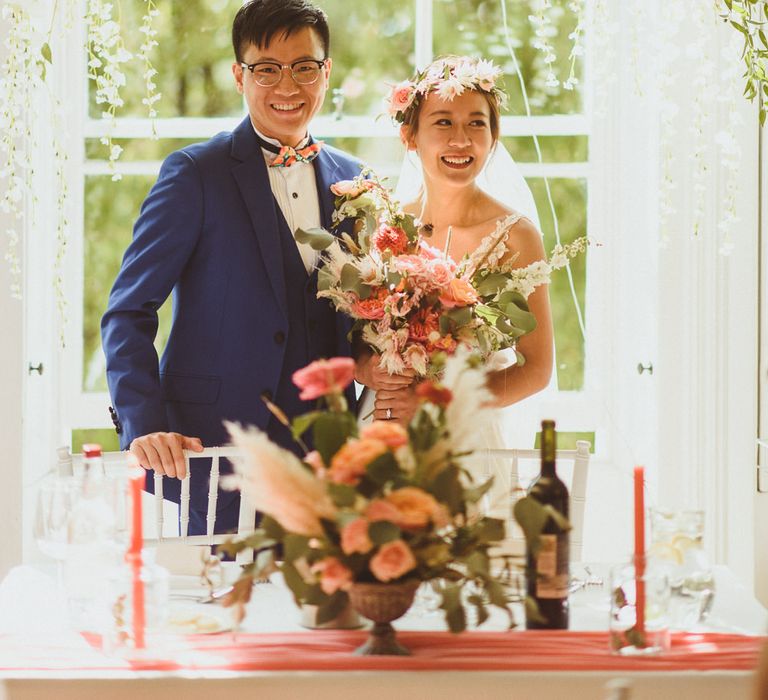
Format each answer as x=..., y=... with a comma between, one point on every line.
x=382, y=603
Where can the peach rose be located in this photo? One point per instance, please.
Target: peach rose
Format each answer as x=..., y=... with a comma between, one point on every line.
x=459, y=292
x=401, y=97
x=391, y=433
x=333, y=575
x=393, y=560
x=348, y=188
x=379, y=509
x=349, y=463
x=434, y=393
x=415, y=507
x=354, y=537
x=323, y=377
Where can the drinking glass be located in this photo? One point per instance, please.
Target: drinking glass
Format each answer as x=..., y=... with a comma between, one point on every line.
x=639, y=621
x=677, y=547
x=56, y=497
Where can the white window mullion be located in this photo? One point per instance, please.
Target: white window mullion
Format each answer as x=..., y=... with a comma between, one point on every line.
x=423, y=49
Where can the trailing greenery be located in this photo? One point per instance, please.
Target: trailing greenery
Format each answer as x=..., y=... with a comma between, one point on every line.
x=749, y=17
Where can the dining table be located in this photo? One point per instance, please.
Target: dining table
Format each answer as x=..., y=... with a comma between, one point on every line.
x=197, y=654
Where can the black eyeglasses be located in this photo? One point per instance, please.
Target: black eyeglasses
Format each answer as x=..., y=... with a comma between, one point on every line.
x=268, y=73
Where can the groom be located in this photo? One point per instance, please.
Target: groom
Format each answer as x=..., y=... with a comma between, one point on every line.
x=217, y=231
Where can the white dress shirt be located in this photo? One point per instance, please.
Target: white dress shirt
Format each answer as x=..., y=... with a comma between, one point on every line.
x=295, y=190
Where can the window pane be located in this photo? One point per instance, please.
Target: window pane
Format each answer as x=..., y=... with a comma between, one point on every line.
x=110, y=210
x=570, y=200
x=475, y=28
x=138, y=149
x=384, y=155
x=371, y=44
x=193, y=59
x=554, y=149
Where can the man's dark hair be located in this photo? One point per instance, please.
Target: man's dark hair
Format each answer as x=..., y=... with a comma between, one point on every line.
x=257, y=21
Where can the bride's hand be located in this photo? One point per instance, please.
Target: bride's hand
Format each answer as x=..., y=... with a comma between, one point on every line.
x=369, y=372
x=398, y=404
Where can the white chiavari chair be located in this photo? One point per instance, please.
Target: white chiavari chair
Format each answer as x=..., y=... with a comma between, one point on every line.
x=575, y=461
x=117, y=462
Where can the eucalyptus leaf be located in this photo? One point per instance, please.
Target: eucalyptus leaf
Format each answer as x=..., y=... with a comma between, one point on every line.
x=383, y=469
x=342, y=495
x=532, y=611
x=448, y=490
x=478, y=564
x=295, y=547
x=474, y=494
x=492, y=284
x=304, y=422
x=332, y=608
x=316, y=238
x=490, y=530
x=331, y=431
x=295, y=582
x=532, y=517
x=382, y=531
x=271, y=527
x=350, y=278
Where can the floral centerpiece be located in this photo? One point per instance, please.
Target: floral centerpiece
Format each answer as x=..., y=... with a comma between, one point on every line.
x=410, y=301
x=387, y=505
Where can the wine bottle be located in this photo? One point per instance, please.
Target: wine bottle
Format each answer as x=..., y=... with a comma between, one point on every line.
x=548, y=568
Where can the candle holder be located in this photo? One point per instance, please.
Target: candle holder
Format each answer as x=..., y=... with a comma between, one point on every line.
x=639, y=622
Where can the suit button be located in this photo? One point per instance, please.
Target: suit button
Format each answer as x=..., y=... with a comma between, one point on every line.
x=279, y=337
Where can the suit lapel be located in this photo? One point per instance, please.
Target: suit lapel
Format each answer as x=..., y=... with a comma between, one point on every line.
x=253, y=181
x=326, y=173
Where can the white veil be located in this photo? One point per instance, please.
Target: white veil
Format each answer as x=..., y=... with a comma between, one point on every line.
x=500, y=178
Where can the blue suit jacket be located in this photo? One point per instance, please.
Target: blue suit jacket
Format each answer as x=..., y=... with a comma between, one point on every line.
x=207, y=231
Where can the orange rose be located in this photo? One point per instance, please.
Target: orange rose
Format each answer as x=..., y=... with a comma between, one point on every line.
x=392, y=561
x=391, y=433
x=333, y=575
x=415, y=507
x=349, y=463
x=354, y=537
x=459, y=292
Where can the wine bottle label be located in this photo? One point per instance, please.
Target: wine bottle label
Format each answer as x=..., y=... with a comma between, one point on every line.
x=552, y=567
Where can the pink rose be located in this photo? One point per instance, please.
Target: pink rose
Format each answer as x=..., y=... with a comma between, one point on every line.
x=412, y=266
x=381, y=510
x=354, y=537
x=459, y=292
x=392, y=561
x=429, y=252
x=401, y=97
x=323, y=377
x=391, y=238
x=333, y=575
x=441, y=272
x=391, y=433
x=349, y=463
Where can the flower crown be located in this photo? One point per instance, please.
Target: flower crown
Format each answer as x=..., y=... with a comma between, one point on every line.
x=448, y=77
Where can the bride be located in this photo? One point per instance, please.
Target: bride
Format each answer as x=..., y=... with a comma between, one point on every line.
x=467, y=189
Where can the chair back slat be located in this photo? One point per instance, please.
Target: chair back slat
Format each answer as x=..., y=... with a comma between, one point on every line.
x=69, y=464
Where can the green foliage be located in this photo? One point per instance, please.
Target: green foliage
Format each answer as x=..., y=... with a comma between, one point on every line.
x=748, y=17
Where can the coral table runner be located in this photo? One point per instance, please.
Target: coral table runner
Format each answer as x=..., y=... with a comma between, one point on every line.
x=432, y=651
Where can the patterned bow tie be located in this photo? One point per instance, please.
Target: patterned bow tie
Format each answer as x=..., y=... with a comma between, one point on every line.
x=288, y=155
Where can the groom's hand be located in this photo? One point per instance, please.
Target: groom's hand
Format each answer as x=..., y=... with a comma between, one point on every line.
x=163, y=452
x=369, y=372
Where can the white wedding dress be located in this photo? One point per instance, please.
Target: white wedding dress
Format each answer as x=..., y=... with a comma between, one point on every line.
x=497, y=502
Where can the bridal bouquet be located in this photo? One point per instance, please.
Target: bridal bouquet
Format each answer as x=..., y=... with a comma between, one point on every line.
x=389, y=504
x=410, y=301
